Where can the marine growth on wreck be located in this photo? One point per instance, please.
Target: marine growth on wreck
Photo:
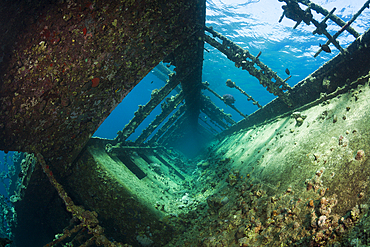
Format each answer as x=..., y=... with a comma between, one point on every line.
x=184, y=123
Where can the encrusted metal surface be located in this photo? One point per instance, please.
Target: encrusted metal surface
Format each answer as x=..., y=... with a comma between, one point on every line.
x=338, y=72
x=143, y=111
x=65, y=66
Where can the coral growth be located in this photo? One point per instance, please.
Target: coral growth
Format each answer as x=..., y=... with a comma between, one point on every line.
x=360, y=155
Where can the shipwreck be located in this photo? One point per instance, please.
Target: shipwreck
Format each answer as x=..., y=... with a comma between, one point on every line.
x=293, y=173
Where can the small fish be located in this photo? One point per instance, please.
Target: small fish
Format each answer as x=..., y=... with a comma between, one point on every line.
x=228, y=99
x=287, y=71
x=325, y=48
x=151, y=82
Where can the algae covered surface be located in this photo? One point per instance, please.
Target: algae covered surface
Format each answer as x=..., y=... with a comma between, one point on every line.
x=298, y=180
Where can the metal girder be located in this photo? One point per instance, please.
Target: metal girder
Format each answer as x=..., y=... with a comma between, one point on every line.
x=242, y=58
x=188, y=60
x=156, y=97
x=215, y=113
x=293, y=11
x=167, y=108
x=167, y=125
x=325, y=12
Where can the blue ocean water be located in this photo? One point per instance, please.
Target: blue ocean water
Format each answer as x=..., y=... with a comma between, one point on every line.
x=254, y=26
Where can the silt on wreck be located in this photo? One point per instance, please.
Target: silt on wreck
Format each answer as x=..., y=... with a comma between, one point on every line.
x=294, y=173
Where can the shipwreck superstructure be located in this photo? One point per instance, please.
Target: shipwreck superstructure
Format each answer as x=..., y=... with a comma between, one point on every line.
x=295, y=172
